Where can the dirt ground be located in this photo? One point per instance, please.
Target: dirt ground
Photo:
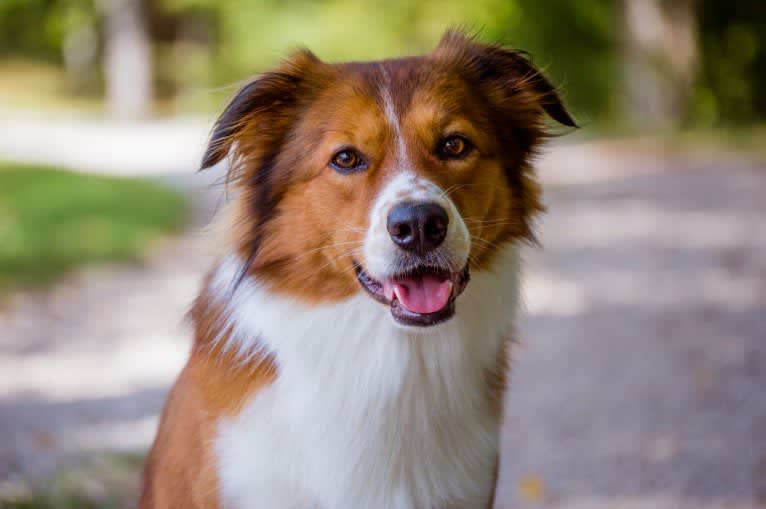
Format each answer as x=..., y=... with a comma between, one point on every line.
x=640, y=380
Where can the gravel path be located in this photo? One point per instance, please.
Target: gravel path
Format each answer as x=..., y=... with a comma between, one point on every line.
x=640, y=381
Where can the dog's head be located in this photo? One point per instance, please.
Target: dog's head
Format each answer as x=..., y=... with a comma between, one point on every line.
x=396, y=178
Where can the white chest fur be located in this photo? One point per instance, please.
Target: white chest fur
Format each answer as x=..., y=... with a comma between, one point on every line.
x=365, y=413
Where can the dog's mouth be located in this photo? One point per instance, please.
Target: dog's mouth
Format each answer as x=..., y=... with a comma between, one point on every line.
x=421, y=296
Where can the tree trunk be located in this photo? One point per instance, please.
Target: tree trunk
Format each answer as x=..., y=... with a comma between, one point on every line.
x=80, y=55
x=659, y=60
x=127, y=60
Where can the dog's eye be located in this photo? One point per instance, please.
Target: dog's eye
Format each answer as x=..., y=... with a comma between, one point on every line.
x=347, y=161
x=454, y=147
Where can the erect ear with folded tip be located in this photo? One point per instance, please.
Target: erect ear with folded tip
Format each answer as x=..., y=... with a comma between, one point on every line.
x=259, y=109
x=548, y=97
x=507, y=73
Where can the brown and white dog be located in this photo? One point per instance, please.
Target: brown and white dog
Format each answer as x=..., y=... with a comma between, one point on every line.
x=342, y=358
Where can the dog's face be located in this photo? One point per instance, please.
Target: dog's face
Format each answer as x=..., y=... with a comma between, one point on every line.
x=395, y=178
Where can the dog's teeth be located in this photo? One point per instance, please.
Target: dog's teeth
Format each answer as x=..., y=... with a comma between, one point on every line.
x=396, y=292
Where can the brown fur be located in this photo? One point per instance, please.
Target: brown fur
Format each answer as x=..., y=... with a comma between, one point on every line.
x=305, y=221
x=299, y=224
x=180, y=472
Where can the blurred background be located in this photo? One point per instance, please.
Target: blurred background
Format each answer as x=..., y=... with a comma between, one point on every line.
x=640, y=378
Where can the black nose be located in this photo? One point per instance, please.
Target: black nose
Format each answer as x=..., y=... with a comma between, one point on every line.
x=418, y=227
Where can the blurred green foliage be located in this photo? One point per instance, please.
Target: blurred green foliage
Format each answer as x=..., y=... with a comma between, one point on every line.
x=104, y=481
x=53, y=220
x=573, y=41
x=38, y=28
x=732, y=83
x=204, y=45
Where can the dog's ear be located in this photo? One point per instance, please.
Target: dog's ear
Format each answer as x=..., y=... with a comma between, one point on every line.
x=260, y=109
x=507, y=75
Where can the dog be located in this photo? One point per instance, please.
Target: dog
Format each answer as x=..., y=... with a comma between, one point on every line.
x=350, y=341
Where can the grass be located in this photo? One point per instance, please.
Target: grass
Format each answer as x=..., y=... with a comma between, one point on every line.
x=108, y=481
x=52, y=221
x=748, y=141
x=38, y=87
x=745, y=140
x=26, y=84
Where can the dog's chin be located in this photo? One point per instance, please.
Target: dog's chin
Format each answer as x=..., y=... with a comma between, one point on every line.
x=422, y=296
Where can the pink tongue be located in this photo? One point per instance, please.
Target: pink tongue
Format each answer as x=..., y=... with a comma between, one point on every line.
x=423, y=294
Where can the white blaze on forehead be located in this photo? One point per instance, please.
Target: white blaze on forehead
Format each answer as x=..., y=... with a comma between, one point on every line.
x=393, y=119
x=381, y=253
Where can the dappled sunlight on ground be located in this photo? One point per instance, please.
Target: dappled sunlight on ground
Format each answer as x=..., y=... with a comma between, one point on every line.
x=639, y=380
x=103, y=146
x=90, y=360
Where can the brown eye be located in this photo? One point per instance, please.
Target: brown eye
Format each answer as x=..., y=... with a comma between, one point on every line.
x=347, y=161
x=454, y=147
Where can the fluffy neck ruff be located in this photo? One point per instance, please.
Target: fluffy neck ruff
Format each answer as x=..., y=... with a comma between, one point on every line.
x=395, y=417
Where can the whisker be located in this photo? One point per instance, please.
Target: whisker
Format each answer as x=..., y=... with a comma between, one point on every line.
x=489, y=221
x=451, y=189
x=484, y=243
x=351, y=229
x=359, y=243
x=339, y=257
